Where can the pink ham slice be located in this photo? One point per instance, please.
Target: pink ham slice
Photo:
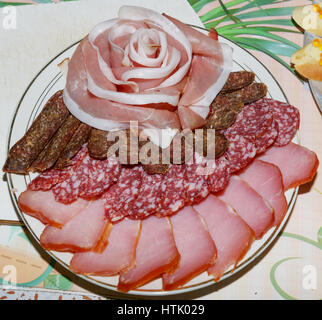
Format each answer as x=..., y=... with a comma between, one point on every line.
x=118, y=255
x=249, y=205
x=43, y=206
x=195, y=245
x=88, y=230
x=267, y=180
x=297, y=163
x=231, y=234
x=105, y=114
x=156, y=253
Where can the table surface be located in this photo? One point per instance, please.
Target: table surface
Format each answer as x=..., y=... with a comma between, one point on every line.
x=289, y=269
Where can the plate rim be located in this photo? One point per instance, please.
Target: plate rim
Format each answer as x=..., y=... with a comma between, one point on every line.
x=147, y=292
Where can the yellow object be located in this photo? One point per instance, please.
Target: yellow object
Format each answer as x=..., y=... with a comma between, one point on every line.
x=309, y=17
x=308, y=60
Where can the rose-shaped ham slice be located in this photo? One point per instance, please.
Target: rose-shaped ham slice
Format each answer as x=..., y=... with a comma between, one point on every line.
x=142, y=67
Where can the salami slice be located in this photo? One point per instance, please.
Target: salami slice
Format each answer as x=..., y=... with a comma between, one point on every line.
x=120, y=198
x=252, y=122
x=90, y=179
x=287, y=118
x=196, y=180
x=219, y=178
x=175, y=190
x=150, y=196
x=267, y=139
x=240, y=152
x=49, y=178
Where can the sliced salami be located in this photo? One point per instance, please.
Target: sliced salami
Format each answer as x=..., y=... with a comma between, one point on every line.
x=219, y=178
x=150, y=196
x=90, y=179
x=175, y=190
x=287, y=118
x=196, y=180
x=267, y=139
x=97, y=176
x=239, y=153
x=120, y=198
x=252, y=122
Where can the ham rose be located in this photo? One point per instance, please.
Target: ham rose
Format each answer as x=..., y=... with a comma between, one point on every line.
x=145, y=67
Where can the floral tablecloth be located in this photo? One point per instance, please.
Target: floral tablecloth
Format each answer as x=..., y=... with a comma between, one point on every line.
x=290, y=269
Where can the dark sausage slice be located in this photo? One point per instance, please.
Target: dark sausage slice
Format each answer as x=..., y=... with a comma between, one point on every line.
x=79, y=137
x=251, y=93
x=97, y=144
x=27, y=149
x=238, y=80
x=53, y=149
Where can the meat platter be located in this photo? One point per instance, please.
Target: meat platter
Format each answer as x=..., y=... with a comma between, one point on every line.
x=51, y=80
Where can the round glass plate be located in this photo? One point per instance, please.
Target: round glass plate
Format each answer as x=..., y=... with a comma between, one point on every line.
x=48, y=81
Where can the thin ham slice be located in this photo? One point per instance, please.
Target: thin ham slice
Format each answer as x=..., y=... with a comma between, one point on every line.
x=119, y=254
x=297, y=163
x=231, y=234
x=156, y=253
x=195, y=245
x=102, y=113
x=88, y=230
x=267, y=180
x=43, y=206
x=249, y=205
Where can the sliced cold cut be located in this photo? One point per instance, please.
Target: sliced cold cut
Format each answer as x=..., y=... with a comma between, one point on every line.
x=267, y=180
x=195, y=245
x=249, y=205
x=231, y=234
x=156, y=253
x=119, y=254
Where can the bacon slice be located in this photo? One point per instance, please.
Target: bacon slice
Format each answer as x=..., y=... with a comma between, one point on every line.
x=195, y=245
x=88, y=230
x=297, y=163
x=249, y=205
x=231, y=234
x=156, y=253
x=119, y=254
x=267, y=180
x=43, y=206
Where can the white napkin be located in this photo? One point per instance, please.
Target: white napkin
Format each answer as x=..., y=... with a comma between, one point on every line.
x=44, y=30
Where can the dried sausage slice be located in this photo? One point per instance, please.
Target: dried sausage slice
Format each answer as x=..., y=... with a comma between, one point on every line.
x=26, y=150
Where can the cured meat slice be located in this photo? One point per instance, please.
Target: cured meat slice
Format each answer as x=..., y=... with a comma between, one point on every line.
x=118, y=256
x=196, y=179
x=156, y=253
x=195, y=245
x=249, y=205
x=26, y=150
x=97, y=144
x=120, y=198
x=53, y=149
x=150, y=196
x=238, y=80
x=248, y=94
x=175, y=190
x=240, y=152
x=252, y=122
x=267, y=139
x=88, y=230
x=286, y=116
x=231, y=234
x=90, y=179
x=219, y=178
x=74, y=146
x=43, y=206
x=267, y=180
x=298, y=164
